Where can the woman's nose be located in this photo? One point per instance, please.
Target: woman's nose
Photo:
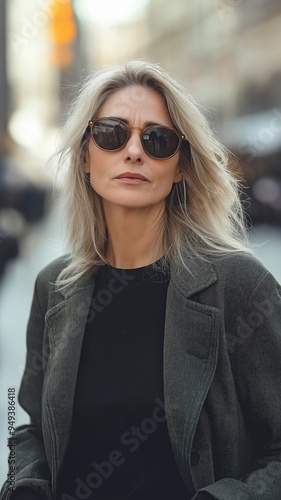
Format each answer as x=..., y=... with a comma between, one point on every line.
x=133, y=150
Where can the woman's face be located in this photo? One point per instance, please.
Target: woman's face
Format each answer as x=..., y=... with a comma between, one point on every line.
x=139, y=106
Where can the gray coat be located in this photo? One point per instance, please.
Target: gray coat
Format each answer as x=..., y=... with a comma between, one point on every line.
x=222, y=377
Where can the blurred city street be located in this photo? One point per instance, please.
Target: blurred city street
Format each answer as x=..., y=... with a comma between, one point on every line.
x=42, y=245
x=224, y=52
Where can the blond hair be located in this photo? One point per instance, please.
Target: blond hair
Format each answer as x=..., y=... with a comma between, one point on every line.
x=203, y=217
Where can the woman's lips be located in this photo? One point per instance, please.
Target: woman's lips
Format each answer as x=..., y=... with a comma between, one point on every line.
x=131, y=178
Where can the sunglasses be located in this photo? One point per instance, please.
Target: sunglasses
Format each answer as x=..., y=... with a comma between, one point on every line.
x=112, y=134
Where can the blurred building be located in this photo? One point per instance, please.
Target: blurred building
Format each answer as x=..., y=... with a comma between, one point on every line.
x=43, y=66
x=226, y=53
x=40, y=65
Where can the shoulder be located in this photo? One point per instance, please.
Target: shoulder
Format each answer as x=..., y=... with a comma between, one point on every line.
x=220, y=275
x=239, y=267
x=44, y=286
x=49, y=273
x=241, y=277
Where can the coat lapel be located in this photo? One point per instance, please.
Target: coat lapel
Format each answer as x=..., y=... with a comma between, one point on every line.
x=190, y=357
x=65, y=323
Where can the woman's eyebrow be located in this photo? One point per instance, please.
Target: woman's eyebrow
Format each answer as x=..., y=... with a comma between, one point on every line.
x=151, y=124
x=146, y=124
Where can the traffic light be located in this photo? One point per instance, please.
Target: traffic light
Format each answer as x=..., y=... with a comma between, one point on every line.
x=62, y=30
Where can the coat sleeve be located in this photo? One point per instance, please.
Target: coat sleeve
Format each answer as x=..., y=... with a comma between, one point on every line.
x=31, y=465
x=258, y=380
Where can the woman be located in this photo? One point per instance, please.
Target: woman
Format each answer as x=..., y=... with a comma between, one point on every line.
x=153, y=364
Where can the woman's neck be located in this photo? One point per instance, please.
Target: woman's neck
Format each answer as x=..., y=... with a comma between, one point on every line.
x=134, y=235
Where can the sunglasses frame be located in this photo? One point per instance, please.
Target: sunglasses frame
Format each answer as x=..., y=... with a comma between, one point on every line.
x=92, y=123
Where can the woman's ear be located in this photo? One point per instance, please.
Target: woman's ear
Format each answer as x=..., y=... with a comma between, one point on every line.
x=178, y=176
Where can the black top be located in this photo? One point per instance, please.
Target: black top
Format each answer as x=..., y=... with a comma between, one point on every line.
x=119, y=446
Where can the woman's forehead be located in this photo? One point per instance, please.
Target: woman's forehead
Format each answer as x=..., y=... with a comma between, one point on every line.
x=136, y=100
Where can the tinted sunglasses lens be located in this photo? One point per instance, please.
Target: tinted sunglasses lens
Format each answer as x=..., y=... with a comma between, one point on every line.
x=160, y=142
x=109, y=134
